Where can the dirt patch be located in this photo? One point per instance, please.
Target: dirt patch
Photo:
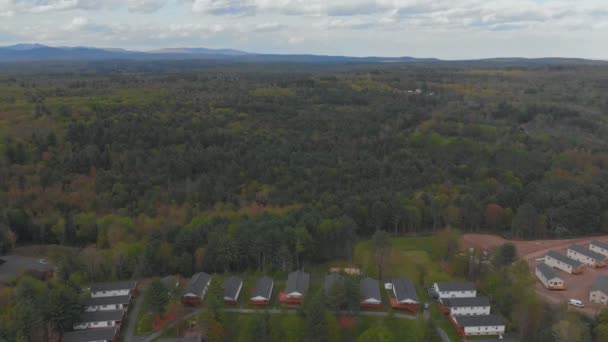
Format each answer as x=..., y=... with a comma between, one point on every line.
x=577, y=286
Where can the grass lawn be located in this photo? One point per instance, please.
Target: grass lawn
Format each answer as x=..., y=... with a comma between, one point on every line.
x=409, y=257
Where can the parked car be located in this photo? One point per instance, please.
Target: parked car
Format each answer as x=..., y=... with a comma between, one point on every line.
x=426, y=306
x=576, y=302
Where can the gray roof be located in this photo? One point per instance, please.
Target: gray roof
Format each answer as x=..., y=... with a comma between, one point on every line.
x=263, y=287
x=12, y=266
x=170, y=282
x=107, y=300
x=100, y=316
x=587, y=252
x=547, y=271
x=114, y=286
x=298, y=281
x=465, y=302
x=600, y=244
x=330, y=280
x=478, y=320
x=404, y=289
x=90, y=335
x=600, y=284
x=456, y=286
x=370, y=289
x=198, y=283
x=232, y=286
x=568, y=261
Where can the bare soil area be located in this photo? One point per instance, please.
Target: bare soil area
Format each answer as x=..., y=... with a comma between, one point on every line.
x=577, y=286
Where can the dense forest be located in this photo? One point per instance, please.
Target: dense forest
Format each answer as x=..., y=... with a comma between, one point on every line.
x=173, y=167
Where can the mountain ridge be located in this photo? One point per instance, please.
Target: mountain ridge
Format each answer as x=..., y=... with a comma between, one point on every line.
x=38, y=52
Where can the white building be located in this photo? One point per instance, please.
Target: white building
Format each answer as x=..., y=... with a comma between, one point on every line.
x=455, y=290
x=479, y=325
x=586, y=256
x=549, y=277
x=599, y=290
x=563, y=263
x=107, y=303
x=99, y=319
x=118, y=288
x=467, y=306
x=599, y=247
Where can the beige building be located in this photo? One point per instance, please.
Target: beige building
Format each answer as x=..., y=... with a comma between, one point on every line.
x=599, y=247
x=586, y=256
x=563, y=263
x=549, y=277
x=599, y=290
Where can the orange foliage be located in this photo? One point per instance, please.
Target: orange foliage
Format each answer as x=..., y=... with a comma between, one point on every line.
x=493, y=214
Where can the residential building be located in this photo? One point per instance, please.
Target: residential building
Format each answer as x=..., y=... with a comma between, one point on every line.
x=111, y=289
x=195, y=291
x=547, y=275
x=466, y=306
x=107, y=303
x=370, y=293
x=599, y=247
x=455, y=289
x=405, y=296
x=599, y=290
x=586, y=256
x=262, y=293
x=297, y=284
x=91, y=335
x=562, y=262
x=232, y=289
x=99, y=319
x=472, y=325
x=12, y=266
x=331, y=280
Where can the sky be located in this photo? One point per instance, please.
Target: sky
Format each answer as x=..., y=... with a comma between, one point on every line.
x=447, y=29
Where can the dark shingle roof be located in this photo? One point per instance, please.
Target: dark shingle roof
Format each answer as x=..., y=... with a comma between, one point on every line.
x=587, y=252
x=263, y=287
x=547, y=271
x=600, y=284
x=404, y=289
x=568, y=261
x=12, y=266
x=197, y=283
x=370, y=289
x=456, y=286
x=478, y=321
x=330, y=280
x=232, y=286
x=90, y=335
x=113, y=286
x=107, y=300
x=465, y=302
x=100, y=316
x=298, y=281
x=600, y=244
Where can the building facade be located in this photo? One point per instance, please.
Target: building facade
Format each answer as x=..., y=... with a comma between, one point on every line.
x=586, y=256
x=563, y=263
x=549, y=277
x=455, y=290
x=599, y=247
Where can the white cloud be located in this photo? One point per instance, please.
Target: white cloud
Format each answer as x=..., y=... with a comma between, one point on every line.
x=145, y=6
x=76, y=24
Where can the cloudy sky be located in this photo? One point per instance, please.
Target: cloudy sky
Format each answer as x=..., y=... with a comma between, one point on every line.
x=450, y=29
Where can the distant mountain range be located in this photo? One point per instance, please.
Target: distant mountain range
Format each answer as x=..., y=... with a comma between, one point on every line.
x=38, y=52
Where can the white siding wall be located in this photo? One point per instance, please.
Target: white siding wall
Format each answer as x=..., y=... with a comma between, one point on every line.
x=598, y=249
x=558, y=264
x=104, y=308
x=492, y=330
x=457, y=294
x=582, y=258
x=113, y=293
x=91, y=325
x=472, y=310
x=598, y=297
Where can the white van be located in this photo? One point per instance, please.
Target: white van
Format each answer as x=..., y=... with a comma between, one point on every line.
x=576, y=302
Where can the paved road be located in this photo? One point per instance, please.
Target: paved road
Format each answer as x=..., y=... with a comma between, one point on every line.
x=442, y=334
x=132, y=320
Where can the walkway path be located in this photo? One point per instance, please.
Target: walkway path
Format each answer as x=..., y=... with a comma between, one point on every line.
x=132, y=320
